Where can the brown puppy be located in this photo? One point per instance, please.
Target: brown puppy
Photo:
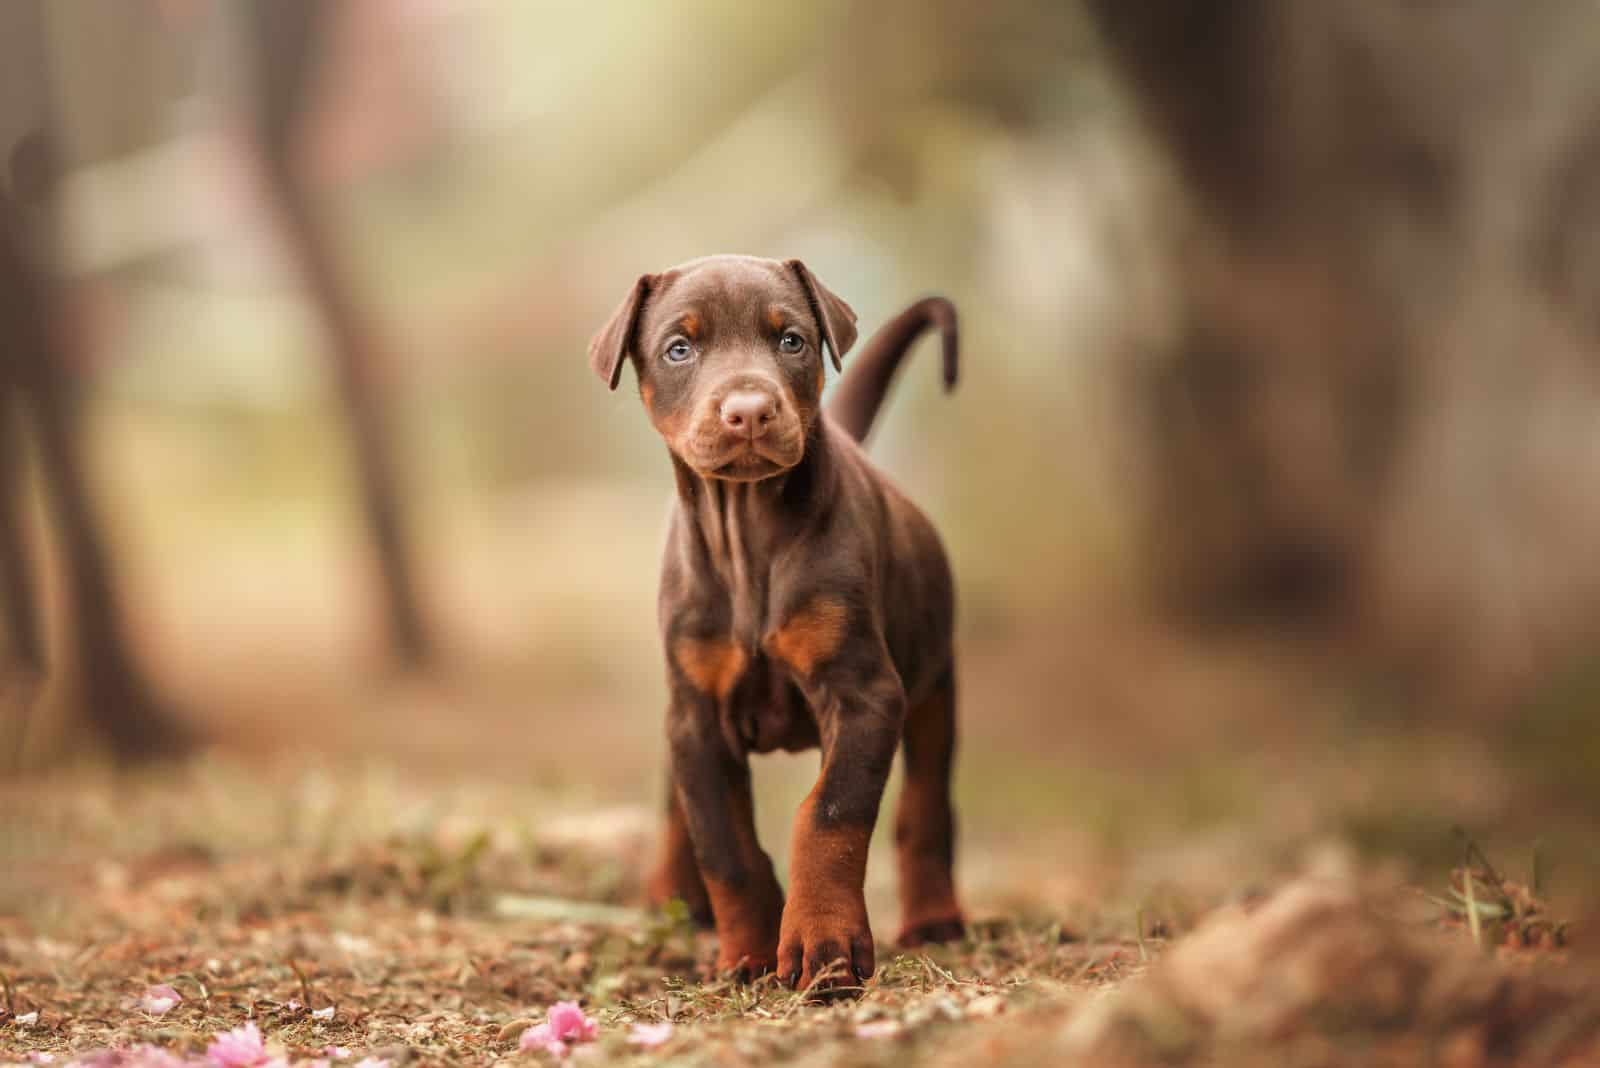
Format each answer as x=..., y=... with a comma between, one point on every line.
x=804, y=601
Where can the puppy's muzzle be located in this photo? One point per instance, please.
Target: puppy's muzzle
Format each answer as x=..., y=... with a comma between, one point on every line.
x=745, y=428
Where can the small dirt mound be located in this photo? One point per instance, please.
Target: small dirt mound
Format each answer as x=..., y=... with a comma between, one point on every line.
x=1324, y=972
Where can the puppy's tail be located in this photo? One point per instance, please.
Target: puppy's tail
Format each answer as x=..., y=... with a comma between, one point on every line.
x=860, y=392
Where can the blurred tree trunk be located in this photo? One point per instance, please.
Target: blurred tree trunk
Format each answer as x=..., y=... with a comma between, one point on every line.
x=286, y=37
x=21, y=642
x=1382, y=415
x=117, y=700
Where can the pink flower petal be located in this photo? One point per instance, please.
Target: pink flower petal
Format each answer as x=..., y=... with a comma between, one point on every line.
x=239, y=1048
x=535, y=1037
x=148, y=1056
x=567, y=1022
x=159, y=1000
x=650, y=1035
x=538, y=1037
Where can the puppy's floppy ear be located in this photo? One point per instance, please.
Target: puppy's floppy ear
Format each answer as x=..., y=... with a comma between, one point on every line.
x=837, y=319
x=609, y=347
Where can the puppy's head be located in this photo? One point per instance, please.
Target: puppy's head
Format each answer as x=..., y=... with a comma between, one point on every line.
x=728, y=351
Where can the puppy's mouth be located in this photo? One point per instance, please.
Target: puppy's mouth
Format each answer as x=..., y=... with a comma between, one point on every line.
x=715, y=451
x=748, y=465
x=742, y=460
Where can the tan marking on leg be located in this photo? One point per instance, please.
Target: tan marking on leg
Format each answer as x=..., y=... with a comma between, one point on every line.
x=811, y=636
x=712, y=665
x=826, y=938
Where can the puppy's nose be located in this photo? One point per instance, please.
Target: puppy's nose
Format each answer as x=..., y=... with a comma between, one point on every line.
x=749, y=412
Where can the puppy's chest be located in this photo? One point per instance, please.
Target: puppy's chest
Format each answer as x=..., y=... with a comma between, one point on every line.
x=756, y=701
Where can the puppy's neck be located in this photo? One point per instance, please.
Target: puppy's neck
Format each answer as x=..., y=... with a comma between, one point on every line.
x=741, y=526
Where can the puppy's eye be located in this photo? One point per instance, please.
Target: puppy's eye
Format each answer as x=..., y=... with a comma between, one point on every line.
x=791, y=342
x=678, y=351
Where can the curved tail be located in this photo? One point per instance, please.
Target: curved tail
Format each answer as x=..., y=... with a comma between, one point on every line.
x=860, y=392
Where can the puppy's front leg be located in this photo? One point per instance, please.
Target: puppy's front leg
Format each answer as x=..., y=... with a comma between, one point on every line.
x=860, y=708
x=825, y=926
x=713, y=788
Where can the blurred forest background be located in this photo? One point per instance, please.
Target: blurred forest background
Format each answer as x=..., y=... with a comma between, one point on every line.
x=1272, y=483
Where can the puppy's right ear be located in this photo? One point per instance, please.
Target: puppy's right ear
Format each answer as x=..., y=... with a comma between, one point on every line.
x=609, y=348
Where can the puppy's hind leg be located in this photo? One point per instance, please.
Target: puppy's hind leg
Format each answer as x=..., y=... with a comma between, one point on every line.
x=677, y=873
x=924, y=828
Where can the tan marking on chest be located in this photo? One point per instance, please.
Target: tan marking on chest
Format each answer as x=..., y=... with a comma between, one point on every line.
x=712, y=665
x=811, y=636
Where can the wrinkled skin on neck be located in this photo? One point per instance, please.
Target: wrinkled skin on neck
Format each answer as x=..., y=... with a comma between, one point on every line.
x=736, y=532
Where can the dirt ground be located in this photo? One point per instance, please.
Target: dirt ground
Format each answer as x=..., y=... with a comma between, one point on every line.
x=439, y=863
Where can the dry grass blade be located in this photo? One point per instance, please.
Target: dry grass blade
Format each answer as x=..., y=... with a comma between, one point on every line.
x=1473, y=922
x=825, y=985
x=305, y=987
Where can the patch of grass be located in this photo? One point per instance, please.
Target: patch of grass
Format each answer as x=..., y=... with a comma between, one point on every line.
x=1498, y=911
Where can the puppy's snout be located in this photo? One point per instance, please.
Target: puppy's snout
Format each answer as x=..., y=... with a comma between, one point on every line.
x=749, y=412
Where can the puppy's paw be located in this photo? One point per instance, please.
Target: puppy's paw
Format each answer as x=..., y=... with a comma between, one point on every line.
x=933, y=929
x=748, y=922
x=827, y=952
x=743, y=965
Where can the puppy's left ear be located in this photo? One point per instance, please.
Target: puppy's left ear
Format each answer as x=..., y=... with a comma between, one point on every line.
x=837, y=319
x=609, y=347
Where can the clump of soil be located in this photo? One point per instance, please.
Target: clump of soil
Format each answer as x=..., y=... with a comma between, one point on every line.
x=1326, y=970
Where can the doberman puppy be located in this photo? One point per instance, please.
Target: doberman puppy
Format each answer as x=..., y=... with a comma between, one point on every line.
x=804, y=602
